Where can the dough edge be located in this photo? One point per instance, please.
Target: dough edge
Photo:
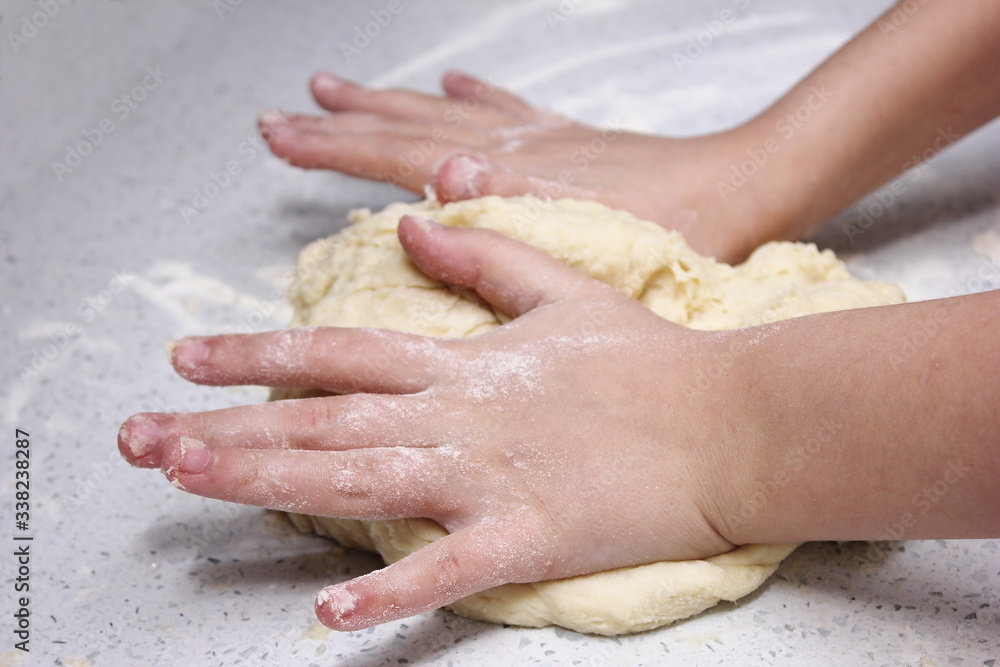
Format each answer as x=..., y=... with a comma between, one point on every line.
x=361, y=277
x=613, y=602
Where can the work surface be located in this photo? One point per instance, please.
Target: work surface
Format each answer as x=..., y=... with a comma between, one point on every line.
x=143, y=236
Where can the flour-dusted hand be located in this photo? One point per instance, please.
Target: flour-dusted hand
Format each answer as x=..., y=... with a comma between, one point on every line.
x=548, y=447
x=569, y=440
x=479, y=139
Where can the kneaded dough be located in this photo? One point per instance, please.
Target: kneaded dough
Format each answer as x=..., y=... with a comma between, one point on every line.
x=362, y=278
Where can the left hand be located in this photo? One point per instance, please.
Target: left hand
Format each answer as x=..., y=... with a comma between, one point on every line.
x=478, y=139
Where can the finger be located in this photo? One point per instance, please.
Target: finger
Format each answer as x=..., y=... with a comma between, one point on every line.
x=403, y=161
x=273, y=121
x=455, y=566
x=337, y=94
x=380, y=483
x=511, y=275
x=460, y=85
x=139, y=439
x=337, y=360
x=462, y=177
x=325, y=423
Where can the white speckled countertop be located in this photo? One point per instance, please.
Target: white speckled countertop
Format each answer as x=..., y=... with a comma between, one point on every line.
x=101, y=265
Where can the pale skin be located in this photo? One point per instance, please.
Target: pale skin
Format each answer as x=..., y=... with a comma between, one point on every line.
x=599, y=454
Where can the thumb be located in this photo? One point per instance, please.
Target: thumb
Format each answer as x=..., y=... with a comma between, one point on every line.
x=511, y=275
x=461, y=177
x=457, y=565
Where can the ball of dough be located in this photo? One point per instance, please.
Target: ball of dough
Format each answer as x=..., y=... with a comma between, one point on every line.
x=362, y=278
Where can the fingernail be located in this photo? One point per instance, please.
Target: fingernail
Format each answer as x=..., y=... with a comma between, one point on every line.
x=195, y=456
x=189, y=354
x=462, y=176
x=328, y=82
x=272, y=120
x=465, y=76
x=337, y=601
x=426, y=225
x=141, y=434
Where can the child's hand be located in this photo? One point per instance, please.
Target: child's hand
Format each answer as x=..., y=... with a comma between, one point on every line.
x=860, y=119
x=562, y=443
x=482, y=140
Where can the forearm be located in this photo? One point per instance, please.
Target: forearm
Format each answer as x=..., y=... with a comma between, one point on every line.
x=919, y=78
x=879, y=423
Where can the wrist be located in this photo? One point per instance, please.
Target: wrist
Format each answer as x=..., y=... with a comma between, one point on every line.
x=742, y=431
x=755, y=191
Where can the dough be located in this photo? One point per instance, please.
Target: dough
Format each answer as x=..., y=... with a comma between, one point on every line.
x=361, y=277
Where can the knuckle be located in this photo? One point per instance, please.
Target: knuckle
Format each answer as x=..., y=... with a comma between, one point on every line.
x=319, y=416
x=251, y=475
x=448, y=572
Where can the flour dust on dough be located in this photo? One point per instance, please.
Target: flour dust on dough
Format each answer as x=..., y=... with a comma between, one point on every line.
x=362, y=278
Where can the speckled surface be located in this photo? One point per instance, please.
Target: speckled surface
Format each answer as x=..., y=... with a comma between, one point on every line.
x=129, y=571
